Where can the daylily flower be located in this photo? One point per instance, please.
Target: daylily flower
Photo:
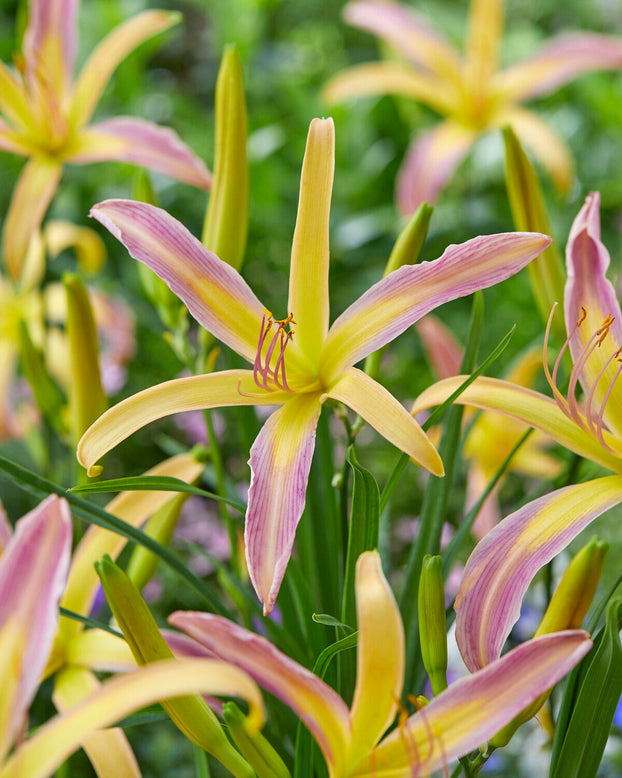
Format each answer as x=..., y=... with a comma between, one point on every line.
x=46, y=115
x=469, y=91
x=298, y=372
x=594, y=324
x=458, y=720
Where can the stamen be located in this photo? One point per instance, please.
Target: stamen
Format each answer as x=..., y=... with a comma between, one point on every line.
x=410, y=744
x=263, y=374
x=266, y=323
x=596, y=340
x=599, y=424
x=552, y=379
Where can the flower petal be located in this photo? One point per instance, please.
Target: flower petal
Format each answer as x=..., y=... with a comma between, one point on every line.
x=408, y=293
x=42, y=753
x=380, y=409
x=379, y=662
x=406, y=32
x=143, y=143
x=51, y=42
x=390, y=78
x=14, y=103
x=430, y=162
x=442, y=350
x=280, y=460
x=107, y=749
x=546, y=146
x=191, y=393
x=109, y=54
x=308, y=275
x=33, y=570
x=475, y=708
x=561, y=60
x=485, y=28
x=533, y=408
x=503, y=564
x=31, y=197
x=99, y=650
x=588, y=290
x=320, y=709
x=216, y=294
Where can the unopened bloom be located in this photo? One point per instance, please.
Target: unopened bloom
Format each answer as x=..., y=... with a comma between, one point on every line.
x=470, y=91
x=46, y=114
x=297, y=361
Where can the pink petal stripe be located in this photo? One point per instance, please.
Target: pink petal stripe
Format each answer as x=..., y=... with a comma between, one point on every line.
x=405, y=295
x=33, y=571
x=51, y=21
x=144, y=143
x=320, y=709
x=503, y=564
x=430, y=163
x=407, y=32
x=560, y=61
x=475, y=708
x=216, y=294
x=280, y=459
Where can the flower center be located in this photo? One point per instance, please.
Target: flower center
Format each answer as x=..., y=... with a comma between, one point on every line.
x=591, y=420
x=267, y=377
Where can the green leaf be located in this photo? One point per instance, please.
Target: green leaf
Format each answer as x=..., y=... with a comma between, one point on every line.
x=599, y=686
x=153, y=483
x=324, y=659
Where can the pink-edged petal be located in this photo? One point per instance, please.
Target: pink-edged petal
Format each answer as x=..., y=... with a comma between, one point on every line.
x=191, y=393
x=108, y=750
x=485, y=28
x=32, y=195
x=408, y=293
x=280, y=460
x=33, y=570
x=430, y=163
x=308, y=278
x=561, y=60
x=126, y=139
x=589, y=292
x=109, y=54
x=522, y=404
x=379, y=663
x=503, y=564
x=442, y=350
x=51, y=42
x=475, y=708
x=379, y=408
x=545, y=144
x=408, y=33
x=52, y=743
x=216, y=294
x=321, y=710
x=391, y=78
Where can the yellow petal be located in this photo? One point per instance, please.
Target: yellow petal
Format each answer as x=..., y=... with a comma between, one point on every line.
x=482, y=46
x=380, y=657
x=308, y=278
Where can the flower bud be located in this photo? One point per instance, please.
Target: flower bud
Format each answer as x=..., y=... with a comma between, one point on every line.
x=433, y=623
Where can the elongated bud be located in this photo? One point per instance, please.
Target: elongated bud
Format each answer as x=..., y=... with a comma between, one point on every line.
x=190, y=714
x=160, y=527
x=48, y=396
x=405, y=252
x=576, y=589
x=566, y=610
x=254, y=747
x=87, y=400
x=546, y=272
x=226, y=220
x=433, y=623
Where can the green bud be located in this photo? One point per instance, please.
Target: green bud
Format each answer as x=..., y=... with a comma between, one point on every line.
x=254, y=747
x=226, y=220
x=546, y=272
x=433, y=623
x=190, y=714
x=405, y=252
x=87, y=400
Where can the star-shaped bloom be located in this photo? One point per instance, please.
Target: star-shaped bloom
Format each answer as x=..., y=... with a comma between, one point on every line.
x=459, y=719
x=297, y=371
x=45, y=115
x=470, y=91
